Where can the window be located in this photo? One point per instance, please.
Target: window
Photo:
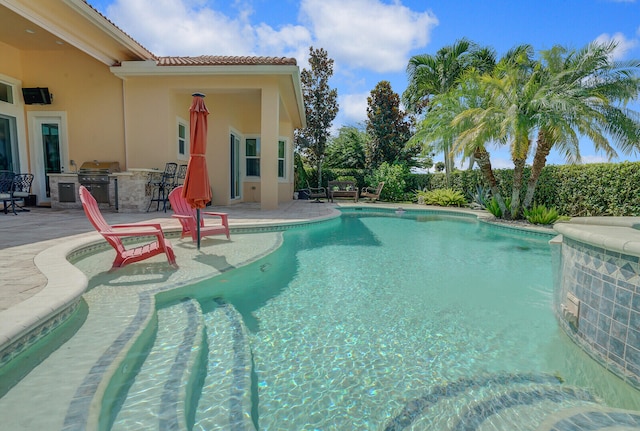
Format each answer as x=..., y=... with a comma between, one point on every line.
x=183, y=143
x=6, y=93
x=282, y=173
x=252, y=155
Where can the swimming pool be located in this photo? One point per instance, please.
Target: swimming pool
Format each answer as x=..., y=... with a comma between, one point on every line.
x=370, y=321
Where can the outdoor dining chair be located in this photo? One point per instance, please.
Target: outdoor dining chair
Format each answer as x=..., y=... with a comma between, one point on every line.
x=6, y=184
x=161, y=185
x=21, y=189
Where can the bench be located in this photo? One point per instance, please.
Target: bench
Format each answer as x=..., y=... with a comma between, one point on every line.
x=342, y=189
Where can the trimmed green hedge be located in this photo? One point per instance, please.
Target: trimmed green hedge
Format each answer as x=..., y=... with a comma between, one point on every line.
x=601, y=189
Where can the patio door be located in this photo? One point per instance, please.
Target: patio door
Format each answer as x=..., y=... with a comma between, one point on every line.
x=49, y=150
x=235, y=166
x=9, y=157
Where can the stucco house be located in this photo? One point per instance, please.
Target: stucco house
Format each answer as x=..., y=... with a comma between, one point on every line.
x=113, y=100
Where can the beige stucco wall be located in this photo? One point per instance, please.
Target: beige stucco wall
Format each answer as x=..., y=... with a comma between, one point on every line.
x=89, y=94
x=10, y=63
x=154, y=104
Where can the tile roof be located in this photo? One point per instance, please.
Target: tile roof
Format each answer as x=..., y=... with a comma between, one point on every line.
x=225, y=60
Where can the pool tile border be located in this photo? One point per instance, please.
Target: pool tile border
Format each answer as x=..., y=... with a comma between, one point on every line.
x=606, y=282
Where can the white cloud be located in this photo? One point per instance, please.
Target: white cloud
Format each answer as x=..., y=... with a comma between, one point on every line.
x=367, y=33
x=353, y=107
x=501, y=163
x=190, y=28
x=290, y=41
x=183, y=28
x=624, y=44
x=593, y=159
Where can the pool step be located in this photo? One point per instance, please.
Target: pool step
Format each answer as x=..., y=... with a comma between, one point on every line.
x=225, y=403
x=495, y=402
x=158, y=398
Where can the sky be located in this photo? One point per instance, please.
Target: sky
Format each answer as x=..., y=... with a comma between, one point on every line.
x=372, y=40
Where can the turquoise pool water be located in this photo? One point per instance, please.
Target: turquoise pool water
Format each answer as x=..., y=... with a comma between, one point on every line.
x=352, y=323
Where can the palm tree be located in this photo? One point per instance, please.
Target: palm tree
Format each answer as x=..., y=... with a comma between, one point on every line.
x=431, y=75
x=445, y=123
x=586, y=93
x=505, y=117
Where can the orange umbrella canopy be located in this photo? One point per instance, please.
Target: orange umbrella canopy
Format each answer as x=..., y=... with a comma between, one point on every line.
x=196, y=188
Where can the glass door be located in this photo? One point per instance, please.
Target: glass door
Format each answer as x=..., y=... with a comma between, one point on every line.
x=50, y=135
x=49, y=149
x=9, y=160
x=235, y=166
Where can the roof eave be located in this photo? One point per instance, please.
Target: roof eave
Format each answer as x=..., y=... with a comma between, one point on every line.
x=150, y=68
x=92, y=15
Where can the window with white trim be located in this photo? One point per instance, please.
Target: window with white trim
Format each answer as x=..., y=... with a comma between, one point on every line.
x=252, y=157
x=6, y=92
x=183, y=140
x=282, y=151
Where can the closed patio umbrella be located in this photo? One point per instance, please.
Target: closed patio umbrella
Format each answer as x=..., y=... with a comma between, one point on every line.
x=196, y=190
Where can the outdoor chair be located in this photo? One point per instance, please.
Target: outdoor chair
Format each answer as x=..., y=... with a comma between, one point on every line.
x=21, y=189
x=316, y=193
x=6, y=195
x=114, y=234
x=187, y=217
x=181, y=174
x=161, y=184
x=373, y=194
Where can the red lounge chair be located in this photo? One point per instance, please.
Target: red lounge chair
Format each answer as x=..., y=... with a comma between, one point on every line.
x=187, y=217
x=113, y=235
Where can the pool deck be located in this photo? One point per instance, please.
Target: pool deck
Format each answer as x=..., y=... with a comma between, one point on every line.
x=34, y=244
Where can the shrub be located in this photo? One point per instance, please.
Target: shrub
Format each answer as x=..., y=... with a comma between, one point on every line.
x=540, y=214
x=346, y=178
x=395, y=181
x=480, y=197
x=441, y=197
x=493, y=208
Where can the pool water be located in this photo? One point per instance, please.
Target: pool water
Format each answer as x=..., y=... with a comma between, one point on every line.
x=355, y=322
x=370, y=321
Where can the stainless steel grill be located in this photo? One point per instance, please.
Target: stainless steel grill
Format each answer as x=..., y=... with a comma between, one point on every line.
x=94, y=176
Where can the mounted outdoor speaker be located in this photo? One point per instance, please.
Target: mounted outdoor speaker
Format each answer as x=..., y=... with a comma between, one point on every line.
x=36, y=96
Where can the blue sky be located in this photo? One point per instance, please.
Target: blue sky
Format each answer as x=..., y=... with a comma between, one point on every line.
x=372, y=40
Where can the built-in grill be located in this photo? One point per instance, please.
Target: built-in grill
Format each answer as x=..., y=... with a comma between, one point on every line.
x=95, y=177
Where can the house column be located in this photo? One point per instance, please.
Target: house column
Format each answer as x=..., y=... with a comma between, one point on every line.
x=269, y=126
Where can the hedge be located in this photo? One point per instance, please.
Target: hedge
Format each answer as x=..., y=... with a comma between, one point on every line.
x=601, y=189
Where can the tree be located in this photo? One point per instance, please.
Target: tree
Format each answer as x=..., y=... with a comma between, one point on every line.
x=388, y=128
x=431, y=75
x=550, y=101
x=321, y=108
x=586, y=94
x=347, y=150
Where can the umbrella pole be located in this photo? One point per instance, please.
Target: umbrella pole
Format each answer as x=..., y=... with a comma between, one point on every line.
x=198, y=225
